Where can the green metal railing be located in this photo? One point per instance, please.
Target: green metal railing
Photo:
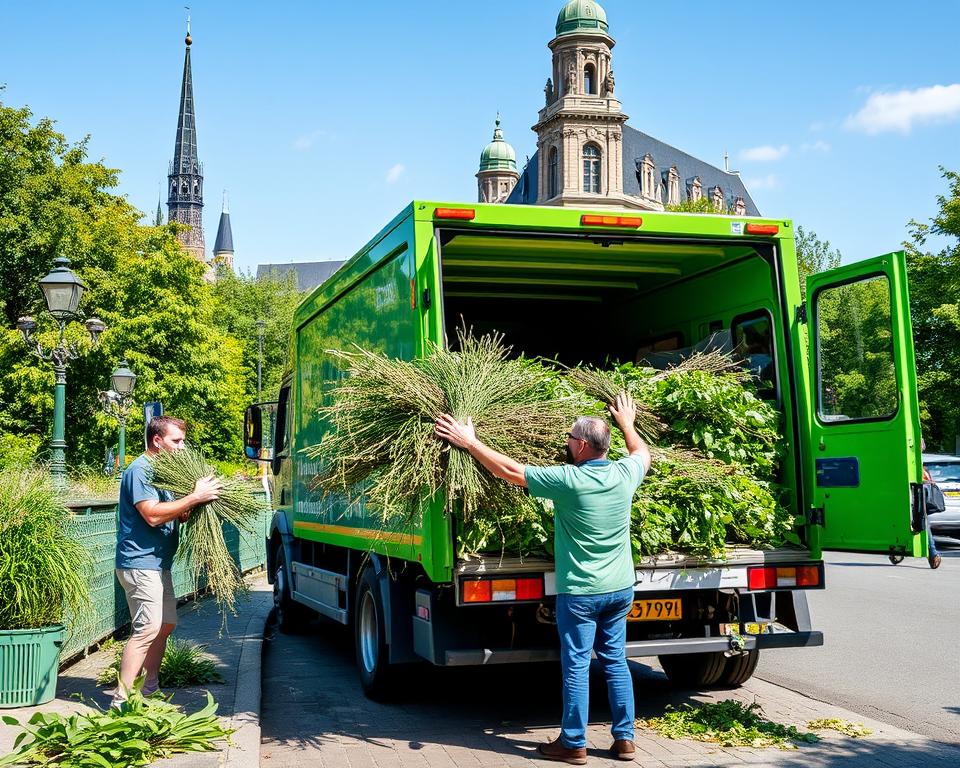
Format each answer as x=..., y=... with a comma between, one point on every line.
x=94, y=523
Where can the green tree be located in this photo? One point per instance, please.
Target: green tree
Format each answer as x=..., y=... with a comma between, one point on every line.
x=241, y=301
x=702, y=205
x=813, y=255
x=159, y=310
x=935, y=311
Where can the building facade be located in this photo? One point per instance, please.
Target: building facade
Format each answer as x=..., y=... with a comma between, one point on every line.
x=587, y=156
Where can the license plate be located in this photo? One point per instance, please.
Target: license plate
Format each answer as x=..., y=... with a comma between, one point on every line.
x=656, y=610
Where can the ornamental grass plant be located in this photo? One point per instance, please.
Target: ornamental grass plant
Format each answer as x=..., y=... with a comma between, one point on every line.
x=184, y=664
x=202, y=545
x=44, y=571
x=380, y=443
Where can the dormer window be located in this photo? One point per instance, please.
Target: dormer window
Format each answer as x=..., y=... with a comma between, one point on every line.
x=740, y=207
x=694, y=189
x=671, y=179
x=717, y=195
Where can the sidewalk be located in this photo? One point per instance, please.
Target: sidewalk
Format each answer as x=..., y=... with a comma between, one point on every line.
x=237, y=654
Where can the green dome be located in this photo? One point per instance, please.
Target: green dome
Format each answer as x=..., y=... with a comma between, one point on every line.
x=579, y=16
x=498, y=155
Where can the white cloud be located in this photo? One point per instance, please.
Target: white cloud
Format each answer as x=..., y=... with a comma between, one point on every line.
x=307, y=140
x=764, y=154
x=395, y=173
x=770, y=181
x=815, y=146
x=901, y=110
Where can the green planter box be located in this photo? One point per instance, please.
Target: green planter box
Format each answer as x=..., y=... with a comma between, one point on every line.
x=28, y=665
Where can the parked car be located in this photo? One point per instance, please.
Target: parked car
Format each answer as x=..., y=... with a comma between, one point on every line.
x=944, y=470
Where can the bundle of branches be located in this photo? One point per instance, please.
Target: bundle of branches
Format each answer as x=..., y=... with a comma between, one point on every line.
x=202, y=544
x=380, y=443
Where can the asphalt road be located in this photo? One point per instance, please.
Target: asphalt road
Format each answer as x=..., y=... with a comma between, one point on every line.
x=891, y=642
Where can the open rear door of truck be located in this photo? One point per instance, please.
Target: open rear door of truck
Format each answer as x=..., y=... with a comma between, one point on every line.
x=865, y=437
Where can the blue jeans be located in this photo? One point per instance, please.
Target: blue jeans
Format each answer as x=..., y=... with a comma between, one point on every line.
x=931, y=544
x=587, y=623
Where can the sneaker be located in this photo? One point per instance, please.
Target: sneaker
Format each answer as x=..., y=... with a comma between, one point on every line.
x=556, y=751
x=935, y=561
x=117, y=701
x=623, y=749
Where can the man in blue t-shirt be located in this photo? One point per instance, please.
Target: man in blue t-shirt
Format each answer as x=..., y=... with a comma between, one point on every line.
x=591, y=498
x=147, y=538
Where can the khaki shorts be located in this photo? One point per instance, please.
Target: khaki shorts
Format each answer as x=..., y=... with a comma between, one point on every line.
x=150, y=598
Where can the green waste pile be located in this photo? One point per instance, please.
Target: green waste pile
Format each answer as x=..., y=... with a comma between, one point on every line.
x=715, y=446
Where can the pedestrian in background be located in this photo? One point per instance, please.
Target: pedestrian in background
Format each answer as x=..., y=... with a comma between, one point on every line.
x=147, y=538
x=592, y=497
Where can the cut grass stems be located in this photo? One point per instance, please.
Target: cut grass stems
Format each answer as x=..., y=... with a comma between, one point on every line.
x=847, y=728
x=202, y=544
x=380, y=443
x=184, y=664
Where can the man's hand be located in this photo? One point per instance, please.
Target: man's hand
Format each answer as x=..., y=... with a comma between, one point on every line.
x=206, y=489
x=184, y=516
x=455, y=433
x=624, y=411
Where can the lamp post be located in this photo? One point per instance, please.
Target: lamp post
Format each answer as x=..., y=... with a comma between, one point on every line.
x=62, y=290
x=261, y=327
x=117, y=401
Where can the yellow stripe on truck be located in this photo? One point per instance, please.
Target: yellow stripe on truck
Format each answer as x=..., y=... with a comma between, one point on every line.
x=363, y=533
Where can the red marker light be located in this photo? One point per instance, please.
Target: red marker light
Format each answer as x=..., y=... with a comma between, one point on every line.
x=465, y=214
x=593, y=220
x=763, y=229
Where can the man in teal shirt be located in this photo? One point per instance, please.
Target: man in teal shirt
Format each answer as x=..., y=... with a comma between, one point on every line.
x=591, y=496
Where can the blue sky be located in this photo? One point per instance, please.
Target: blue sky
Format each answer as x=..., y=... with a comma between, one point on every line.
x=323, y=119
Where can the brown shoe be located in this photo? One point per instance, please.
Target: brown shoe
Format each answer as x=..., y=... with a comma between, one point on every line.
x=935, y=561
x=556, y=751
x=623, y=749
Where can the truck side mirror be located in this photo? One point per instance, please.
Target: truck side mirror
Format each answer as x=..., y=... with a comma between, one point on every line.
x=255, y=447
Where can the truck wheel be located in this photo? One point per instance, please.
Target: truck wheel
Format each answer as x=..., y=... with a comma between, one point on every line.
x=739, y=669
x=290, y=614
x=693, y=670
x=371, y=638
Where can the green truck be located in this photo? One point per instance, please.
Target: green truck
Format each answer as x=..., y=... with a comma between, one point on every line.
x=589, y=285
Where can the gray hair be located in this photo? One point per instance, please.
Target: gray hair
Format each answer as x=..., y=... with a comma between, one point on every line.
x=595, y=431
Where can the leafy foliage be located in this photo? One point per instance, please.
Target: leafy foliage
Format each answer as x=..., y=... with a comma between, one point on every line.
x=188, y=342
x=184, y=664
x=730, y=723
x=43, y=570
x=813, y=255
x=138, y=732
x=853, y=730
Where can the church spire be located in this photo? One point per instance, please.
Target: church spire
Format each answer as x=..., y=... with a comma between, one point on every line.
x=185, y=200
x=223, y=245
x=158, y=221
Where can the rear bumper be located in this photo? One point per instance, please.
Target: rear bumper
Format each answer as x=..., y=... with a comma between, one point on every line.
x=637, y=649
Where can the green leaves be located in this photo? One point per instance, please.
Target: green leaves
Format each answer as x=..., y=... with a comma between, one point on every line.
x=139, y=732
x=184, y=664
x=730, y=723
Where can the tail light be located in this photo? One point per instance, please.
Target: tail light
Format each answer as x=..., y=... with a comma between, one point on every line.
x=785, y=577
x=490, y=589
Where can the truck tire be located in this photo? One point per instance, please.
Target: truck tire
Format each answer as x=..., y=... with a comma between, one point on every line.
x=739, y=669
x=370, y=634
x=290, y=614
x=694, y=670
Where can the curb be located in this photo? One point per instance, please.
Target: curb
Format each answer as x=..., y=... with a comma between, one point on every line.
x=244, y=748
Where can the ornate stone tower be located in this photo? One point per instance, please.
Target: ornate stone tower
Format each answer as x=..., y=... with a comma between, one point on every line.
x=185, y=177
x=580, y=129
x=223, y=245
x=498, y=169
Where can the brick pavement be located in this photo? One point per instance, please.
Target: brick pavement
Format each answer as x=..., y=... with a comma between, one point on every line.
x=315, y=716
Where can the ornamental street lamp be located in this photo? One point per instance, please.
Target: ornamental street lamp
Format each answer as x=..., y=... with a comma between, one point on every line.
x=62, y=290
x=116, y=403
x=261, y=327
